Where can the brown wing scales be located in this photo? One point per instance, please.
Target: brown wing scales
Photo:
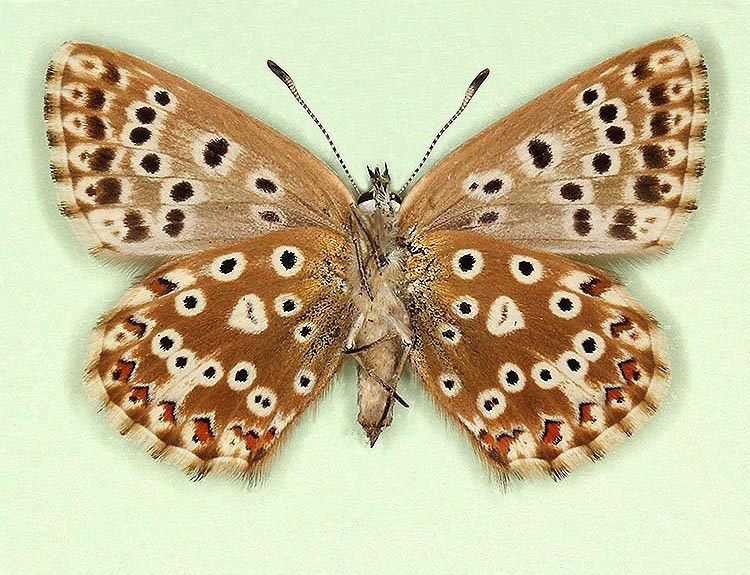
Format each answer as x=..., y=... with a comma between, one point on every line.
x=546, y=362
x=149, y=164
x=209, y=359
x=606, y=162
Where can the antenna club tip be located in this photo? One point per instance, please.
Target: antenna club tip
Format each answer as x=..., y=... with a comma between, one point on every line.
x=276, y=69
x=481, y=77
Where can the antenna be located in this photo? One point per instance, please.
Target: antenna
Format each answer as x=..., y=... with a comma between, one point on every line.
x=473, y=87
x=287, y=79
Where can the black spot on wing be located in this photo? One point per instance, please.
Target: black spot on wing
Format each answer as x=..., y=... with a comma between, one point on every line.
x=623, y=221
x=659, y=123
x=95, y=127
x=137, y=229
x=601, y=163
x=145, y=114
x=181, y=191
x=571, y=192
x=111, y=73
x=582, y=222
x=214, y=151
x=151, y=163
x=175, y=223
x=642, y=70
x=139, y=135
x=95, y=99
x=101, y=159
x=540, y=152
x=105, y=191
x=657, y=94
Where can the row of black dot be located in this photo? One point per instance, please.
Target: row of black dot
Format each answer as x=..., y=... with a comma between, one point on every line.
x=648, y=189
x=608, y=113
x=146, y=115
x=490, y=188
x=166, y=343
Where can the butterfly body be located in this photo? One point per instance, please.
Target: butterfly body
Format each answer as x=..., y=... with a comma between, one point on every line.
x=276, y=273
x=381, y=335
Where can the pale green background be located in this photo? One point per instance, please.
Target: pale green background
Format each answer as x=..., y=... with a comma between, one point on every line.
x=77, y=498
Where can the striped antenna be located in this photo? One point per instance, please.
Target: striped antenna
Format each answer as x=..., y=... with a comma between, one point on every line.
x=287, y=79
x=473, y=87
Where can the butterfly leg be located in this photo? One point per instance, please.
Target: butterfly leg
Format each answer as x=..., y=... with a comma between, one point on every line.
x=355, y=217
x=406, y=342
x=356, y=352
x=353, y=332
x=391, y=385
x=361, y=265
x=362, y=261
x=365, y=347
x=388, y=387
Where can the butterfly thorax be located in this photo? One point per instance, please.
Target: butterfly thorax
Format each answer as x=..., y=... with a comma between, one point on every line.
x=382, y=327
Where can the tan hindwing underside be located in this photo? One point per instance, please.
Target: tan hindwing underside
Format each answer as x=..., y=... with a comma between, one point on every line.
x=546, y=362
x=209, y=359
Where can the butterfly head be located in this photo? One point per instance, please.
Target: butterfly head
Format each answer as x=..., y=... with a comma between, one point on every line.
x=379, y=197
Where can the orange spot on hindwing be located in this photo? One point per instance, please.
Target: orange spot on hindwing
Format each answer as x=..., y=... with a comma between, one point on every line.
x=552, y=435
x=138, y=394
x=253, y=440
x=614, y=395
x=123, y=370
x=617, y=328
x=203, y=432
x=250, y=438
x=629, y=370
x=136, y=327
x=169, y=413
x=161, y=286
x=269, y=436
x=585, y=413
x=505, y=440
x=595, y=287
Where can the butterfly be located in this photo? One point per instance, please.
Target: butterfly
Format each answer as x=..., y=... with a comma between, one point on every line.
x=275, y=271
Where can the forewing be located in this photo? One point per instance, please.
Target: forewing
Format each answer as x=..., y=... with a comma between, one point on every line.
x=210, y=359
x=606, y=162
x=546, y=362
x=151, y=165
